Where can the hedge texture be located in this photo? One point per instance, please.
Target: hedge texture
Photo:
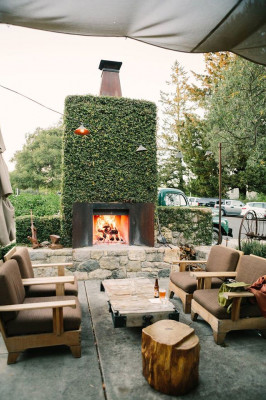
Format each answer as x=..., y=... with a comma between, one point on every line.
x=40, y=204
x=45, y=226
x=195, y=224
x=104, y=166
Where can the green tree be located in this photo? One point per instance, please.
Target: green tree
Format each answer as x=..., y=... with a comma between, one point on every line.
x=174, y=107
x=200, y=168
x=226, y=104
x=215, y=66
x=236, y=118
x=184, y=130
x=38, y=164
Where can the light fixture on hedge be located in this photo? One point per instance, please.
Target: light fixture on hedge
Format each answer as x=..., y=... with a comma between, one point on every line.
x=141, y=148
x=82, y=131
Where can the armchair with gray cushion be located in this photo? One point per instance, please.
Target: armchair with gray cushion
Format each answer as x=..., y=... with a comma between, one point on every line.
x=243, y=316
x=21, y=255
x=31, y=322
x=183, y=285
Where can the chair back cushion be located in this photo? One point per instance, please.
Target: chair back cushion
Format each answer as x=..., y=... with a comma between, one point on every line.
x=222, y=259
x=24, y=262
x=11, y=288
x=250, y=269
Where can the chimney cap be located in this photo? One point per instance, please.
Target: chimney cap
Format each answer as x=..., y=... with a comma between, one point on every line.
x=110, y=65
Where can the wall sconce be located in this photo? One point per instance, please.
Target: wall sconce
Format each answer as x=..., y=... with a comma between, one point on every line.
x=82, y=131
x=141, y=148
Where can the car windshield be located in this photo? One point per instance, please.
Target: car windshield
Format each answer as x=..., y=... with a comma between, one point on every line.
x=174, y=199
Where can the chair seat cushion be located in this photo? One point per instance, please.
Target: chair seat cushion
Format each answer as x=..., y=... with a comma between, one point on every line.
x=189, y=284
x=41, y=320
x=71, y=289
x=208, y=299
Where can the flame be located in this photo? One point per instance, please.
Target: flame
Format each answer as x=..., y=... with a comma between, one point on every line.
x=107, y=229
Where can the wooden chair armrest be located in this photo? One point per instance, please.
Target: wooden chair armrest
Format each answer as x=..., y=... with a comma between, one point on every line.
x=41, y=305
x=60, y=267
x=234, y=295
x=183, y=263
x=68, y=264
x=48, y=280
x=204, y=279
x=10, y=253
x=190, y=261
x=204, y=274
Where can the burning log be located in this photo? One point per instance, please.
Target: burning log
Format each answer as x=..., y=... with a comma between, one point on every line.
x=107, y=231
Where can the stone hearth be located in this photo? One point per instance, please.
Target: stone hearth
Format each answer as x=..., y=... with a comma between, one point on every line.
x=103, y=262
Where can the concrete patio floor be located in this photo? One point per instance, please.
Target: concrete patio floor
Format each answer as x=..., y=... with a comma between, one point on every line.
x=110, y=367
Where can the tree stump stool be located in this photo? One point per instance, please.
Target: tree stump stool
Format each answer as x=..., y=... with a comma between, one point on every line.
x=170, y=357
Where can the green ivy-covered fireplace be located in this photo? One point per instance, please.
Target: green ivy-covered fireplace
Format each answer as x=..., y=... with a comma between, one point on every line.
x=104, y=166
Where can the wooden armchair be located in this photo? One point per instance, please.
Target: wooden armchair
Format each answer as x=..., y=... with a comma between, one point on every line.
x=246, y=316
x=21, y=255
x=183, y=285
x=35, y=322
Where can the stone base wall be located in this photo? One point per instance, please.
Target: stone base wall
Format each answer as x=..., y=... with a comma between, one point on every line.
x=103, y=262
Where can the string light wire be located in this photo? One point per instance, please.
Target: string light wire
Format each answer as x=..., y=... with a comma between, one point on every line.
x=29, y=98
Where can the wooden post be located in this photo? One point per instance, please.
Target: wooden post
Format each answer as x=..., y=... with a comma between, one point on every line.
x=170, y=357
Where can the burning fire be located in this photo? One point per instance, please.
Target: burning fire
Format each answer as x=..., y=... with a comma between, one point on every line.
x=106, y=230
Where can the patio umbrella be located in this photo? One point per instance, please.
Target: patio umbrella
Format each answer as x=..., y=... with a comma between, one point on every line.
x=193, y=26
x=7, y=219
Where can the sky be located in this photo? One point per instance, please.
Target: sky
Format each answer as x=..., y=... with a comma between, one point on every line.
x=48, y=66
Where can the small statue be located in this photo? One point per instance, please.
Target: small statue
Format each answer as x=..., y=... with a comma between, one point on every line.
x=33, y=239
x=55, y=242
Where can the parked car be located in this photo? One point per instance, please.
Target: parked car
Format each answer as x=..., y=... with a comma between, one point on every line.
x=226, y=231
x=193, y=201
x=207, y=201
x=230, y=207
x=172, y=197
x=175, y=197
x=258, y=207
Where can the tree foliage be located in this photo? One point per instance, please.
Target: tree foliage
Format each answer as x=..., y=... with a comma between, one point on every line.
x=227, y=105
x=38, y=164
x=175, y=105
x=236, y=118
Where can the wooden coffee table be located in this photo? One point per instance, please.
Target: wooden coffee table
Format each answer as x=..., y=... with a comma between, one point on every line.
x=132, y=303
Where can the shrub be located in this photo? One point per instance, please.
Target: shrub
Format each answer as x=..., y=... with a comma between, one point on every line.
x=40, y=204
x=5, y=249
x=256, y=248
x=194, y=223
x=45, y=226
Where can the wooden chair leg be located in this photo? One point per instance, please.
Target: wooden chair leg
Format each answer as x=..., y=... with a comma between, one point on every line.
x=171, y=294
x=263, y=333
x=187, y=307
x=12, y=358
x=194, y=316
x=76, y=351
x=219, y=337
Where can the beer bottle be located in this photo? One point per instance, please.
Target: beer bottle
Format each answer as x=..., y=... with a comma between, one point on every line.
x=156, y=288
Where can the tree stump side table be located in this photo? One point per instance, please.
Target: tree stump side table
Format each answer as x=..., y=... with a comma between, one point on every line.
x=170, y=357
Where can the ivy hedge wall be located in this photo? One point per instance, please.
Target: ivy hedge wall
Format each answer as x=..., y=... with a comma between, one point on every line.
x=195, y=224
x=45, y=226
x=104, y=166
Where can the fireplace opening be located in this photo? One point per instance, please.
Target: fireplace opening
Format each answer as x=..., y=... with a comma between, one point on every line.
x=111, y=229
x=97, y=223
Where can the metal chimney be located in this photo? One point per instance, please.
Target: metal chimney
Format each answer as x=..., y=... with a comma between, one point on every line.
x=110, y=85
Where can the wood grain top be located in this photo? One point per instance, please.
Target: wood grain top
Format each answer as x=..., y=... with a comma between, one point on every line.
x=133, y=296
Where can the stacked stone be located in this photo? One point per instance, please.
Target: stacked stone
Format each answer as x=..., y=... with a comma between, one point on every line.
x=103, y=262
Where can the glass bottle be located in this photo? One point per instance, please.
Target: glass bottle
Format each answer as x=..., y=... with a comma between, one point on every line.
x=156, y=288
